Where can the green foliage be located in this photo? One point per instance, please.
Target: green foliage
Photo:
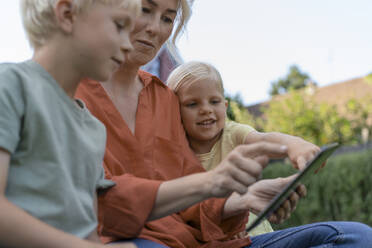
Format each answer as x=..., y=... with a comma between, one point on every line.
x=295, y=79
x=320, y=123
x=368, y=78
x=340, y=191
x=237, y=112
x=298, y=114
x=360, y=114
x=230, y=113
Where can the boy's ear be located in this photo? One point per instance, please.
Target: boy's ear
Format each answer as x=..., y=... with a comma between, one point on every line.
x=226, y=103
x=64, y=12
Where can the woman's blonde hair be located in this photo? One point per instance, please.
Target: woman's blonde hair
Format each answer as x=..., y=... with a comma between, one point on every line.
x=39, y=19
x=194, y=72
x=183, y=16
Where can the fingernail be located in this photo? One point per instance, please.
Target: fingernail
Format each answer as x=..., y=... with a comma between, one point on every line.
x=283, y=148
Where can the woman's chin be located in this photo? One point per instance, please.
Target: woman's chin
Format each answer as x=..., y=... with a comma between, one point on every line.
x=140, y=58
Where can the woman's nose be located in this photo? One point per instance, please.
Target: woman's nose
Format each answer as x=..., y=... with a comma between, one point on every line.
x=153, y=25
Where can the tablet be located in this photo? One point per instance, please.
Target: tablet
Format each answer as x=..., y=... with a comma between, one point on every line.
x=309, y=170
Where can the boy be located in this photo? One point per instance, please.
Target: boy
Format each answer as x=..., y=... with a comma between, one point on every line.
x=51, y=148
x=203, y=111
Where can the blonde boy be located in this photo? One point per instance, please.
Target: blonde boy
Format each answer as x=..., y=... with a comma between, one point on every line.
x=51, y=148
x=203, y=108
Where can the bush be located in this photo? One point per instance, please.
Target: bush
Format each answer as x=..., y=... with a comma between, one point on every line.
x=341, y=191
x=299, y=114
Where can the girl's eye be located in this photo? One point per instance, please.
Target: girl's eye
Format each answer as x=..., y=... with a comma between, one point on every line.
x=191, y=104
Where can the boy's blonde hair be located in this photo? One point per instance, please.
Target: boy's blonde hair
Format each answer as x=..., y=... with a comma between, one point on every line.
x=39, y=19
x=194, y=72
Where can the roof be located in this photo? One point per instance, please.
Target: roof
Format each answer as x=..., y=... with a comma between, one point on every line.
x=336, y=94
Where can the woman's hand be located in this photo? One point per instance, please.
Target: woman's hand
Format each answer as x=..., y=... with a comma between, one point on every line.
x=241, y=168
x=300, y=151
x=260, y=194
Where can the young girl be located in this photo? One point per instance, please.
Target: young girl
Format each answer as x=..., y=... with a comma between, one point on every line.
x=211, y=136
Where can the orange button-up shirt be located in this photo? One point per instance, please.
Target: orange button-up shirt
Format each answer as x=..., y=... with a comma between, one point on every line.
x=138, y=163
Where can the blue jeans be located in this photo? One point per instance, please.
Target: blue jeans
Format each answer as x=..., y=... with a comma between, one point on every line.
x=143, y=243
x=317, y=235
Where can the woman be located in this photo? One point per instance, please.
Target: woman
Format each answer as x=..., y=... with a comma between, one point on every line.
x=148, y=156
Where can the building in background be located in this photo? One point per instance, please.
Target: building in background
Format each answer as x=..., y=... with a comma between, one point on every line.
x=335, y=94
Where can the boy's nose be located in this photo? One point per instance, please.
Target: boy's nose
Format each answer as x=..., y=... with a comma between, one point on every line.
x=126, y=46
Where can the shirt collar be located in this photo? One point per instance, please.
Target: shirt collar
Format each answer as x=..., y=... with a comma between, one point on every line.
x=148, y=78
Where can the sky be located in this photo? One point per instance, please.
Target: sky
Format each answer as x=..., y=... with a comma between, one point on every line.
x=254, y=42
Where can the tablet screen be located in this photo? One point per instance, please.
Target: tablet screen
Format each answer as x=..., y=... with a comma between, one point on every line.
x=309, y=170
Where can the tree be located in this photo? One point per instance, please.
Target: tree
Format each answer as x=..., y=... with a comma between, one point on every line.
x=360, y=115
x=299, y=114
x=295, y=79
x=237, y=112
x=368, y=78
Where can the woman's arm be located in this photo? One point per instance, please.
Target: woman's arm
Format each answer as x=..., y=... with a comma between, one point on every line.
x=19, y=229
x=299, y=150
x=236, y=172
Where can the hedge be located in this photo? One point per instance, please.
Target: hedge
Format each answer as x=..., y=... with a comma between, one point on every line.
x=341, y=191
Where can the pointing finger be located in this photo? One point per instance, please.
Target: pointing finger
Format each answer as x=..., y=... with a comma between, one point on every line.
x=272, y=150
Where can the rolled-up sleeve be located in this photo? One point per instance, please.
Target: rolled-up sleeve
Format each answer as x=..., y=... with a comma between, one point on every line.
x=124, y=208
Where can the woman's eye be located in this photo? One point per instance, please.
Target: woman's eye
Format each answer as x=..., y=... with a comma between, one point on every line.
x=167, y=19
x=146, y=10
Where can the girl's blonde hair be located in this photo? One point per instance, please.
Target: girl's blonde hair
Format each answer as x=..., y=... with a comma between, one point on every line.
x=39, y=19
x=192, y=72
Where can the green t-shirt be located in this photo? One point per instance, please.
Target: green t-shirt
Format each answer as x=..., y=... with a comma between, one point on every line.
x=56, y=149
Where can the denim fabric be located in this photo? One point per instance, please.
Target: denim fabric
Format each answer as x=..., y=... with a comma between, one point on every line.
x=143, y=243
x=317, y=235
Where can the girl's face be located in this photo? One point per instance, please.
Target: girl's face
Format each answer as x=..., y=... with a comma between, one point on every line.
x=203, y=111
x=152, y=29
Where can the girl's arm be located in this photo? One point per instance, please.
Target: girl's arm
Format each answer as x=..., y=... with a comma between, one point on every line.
x=299, y=150
x=19, y=229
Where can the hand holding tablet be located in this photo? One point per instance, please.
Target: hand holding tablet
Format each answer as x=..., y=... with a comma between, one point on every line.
x=311, y=167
